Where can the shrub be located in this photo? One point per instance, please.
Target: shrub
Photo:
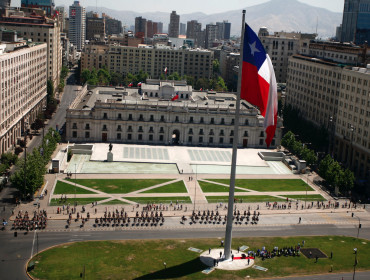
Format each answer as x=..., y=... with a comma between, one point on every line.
x=18, y=150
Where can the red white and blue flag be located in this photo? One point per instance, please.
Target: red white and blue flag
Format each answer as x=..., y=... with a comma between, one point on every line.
x=139, y=84
x=165, y=70
x=258, y=85
x=175, y=97
x=130, y=84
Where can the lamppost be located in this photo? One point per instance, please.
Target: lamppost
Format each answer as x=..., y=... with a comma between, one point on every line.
x=354, y=267
x=43, y=133
x=25, y=154
x=330, y=123
x=165, y=272
x=75, y=182
x=351, y=150
x=359, y=224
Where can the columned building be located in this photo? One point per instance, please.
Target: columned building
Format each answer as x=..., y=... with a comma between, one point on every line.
x=147, y=115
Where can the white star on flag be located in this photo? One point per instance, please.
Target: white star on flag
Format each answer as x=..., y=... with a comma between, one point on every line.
x=253, y=48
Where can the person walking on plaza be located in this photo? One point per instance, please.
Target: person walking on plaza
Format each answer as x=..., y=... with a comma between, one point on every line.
x=238, y=249
x=209, y=250
x=220, y=255
x=300, y=220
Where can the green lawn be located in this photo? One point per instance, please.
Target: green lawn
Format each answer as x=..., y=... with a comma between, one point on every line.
x=80, y=201
x=310, y=197
x=209, y=187
x=113, y=202
x=158, y=200
x=143, y=259
x=268, y=185
x=246, y=199
x=119, y=185
x=65, y=188
x=177, y=187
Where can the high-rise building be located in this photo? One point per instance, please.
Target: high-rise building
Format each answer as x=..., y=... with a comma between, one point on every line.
x=95, y=29
x=160, y=27
x=34, y=25
x=46, y=5
x=112, y=26
x=150, y=28
x=182, y=29
x=141, y=28
x=211, y=35
x=173, y=28
x=23, y=94
x=61, y=17
x=200, y=39
x=223, y=30
x=193, y=27
x=77, y=25
x=356, y=24
x=5, y=4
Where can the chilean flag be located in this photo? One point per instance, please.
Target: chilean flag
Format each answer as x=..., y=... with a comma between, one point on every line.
x=130, y=84
x=175, y=97
x=258, y=85
x=165, y=70
x=139, y=84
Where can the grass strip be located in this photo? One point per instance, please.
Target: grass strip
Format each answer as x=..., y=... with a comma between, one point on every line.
x=143, y=259
x=268, y=185
x=244, y=199
x=158, y=200
x=210, y=188
x=119, y=185
x=65, y=188
x=177, y=187
x=310, y=197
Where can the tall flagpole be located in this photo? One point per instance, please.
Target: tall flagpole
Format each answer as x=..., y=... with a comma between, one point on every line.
x=229, y=225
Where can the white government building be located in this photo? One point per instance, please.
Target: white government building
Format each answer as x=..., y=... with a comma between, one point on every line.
x=147, y=115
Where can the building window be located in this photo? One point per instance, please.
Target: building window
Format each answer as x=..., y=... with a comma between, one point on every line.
x=119, y=128
x=221, y=140
x=201, y=120
x=222, y=121
x=87, y=126
x=162, y=119
x=200, y=139
x=273, y=142
x=231, y=140
x=150, y=137
x=105, y=116
x=261, y=142
x=87, y=134
x=190, y=131
x=177, y=119
x=140, y=129
x=105, y=127
x=191, y=120
x=151, y=118
x=210, y=140
x=129, y=136
x=212, y=120
x=161, y=130
x=74, y=126
x=74, y=134
x=118, y=136
x=130, y=117
x=141, y=118
x=161, y=137
x=190, y=139
x=119, y=116
x=140, y=137
x=201, y=131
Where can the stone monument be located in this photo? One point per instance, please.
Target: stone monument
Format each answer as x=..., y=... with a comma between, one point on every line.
x=110, y=154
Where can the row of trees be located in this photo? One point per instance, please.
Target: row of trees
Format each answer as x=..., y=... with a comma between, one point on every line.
x=35, y=166
x=63, y=74
x=298, y=149
x=7, y=160
x=332, y=172
x=104, y=78
x=306, y=130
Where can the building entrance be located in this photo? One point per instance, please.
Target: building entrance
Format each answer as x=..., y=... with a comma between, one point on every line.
x=175, y=137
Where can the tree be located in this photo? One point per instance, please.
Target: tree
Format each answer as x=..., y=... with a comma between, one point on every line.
x=175, y=76
x=162, y=77
x=64, y=72
x=85, y=75
x=297, y=148
x=310, y=158
x=50, y=91
x=325, y=165
x=333, y=174
x=285, y=141
x=103, y=77
x=216, y=66
x=190, y=80
x=346, y=180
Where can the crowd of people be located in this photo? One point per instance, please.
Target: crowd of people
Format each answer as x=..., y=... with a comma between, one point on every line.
x=211, y=217
x=25, y=222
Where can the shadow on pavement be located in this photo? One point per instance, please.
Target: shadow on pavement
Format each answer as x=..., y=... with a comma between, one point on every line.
x=177, y=271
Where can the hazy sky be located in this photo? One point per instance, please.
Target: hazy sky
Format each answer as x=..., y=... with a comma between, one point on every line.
x=189, y=6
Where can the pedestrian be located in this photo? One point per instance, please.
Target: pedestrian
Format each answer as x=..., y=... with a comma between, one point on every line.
x=182, y=171
x=303, y=242
x=209, y=250
x=222, y=243
x=300, y=220
x=317, y=257
x=310, y=254
x=214, y=262
x=217, y=262
x=92, y=204
x=232, y=258
x=220, y=255
x=248, y=260
x=238, y=249
x=331, y=255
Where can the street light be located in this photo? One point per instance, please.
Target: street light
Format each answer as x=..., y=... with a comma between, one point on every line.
x=330, y=123
x=165, y=274
x=351, y=150
x=354, y=267
x=25, y=154
x=359, y=224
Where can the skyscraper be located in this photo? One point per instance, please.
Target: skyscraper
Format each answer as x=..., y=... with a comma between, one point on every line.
x=77, y=25
x=173, y=28
x=5, y=3
x=211, y=35
x=223, y=30
x=356, y=23
x=140, y=27
x=160, y=27
x=47, y=5
x=193, y=27
x=182, y=29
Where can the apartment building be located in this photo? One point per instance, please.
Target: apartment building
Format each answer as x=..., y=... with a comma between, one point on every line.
x=193, y=27
x=210, y=35
x=39, y=29
x=199, y=118
x=62, y=18
x=46, y=5
x=77, y=25
x=280, y=47
x=335, y=89
x=152, y=60
x=112, y=25
x=95, y=29
x=141, y=27
x=174, y=26
x=124, y=40
x=23, y=77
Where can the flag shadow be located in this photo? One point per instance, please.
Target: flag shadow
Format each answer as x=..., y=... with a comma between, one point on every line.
x=177, y=271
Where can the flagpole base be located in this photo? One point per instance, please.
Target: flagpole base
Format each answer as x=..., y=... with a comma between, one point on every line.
x=226, y=264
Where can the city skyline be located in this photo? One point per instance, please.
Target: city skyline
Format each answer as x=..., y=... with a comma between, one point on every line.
x=206, y=6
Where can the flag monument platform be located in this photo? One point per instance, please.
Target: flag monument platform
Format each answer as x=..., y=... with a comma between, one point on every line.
x=257, y=85
x=240, y=261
